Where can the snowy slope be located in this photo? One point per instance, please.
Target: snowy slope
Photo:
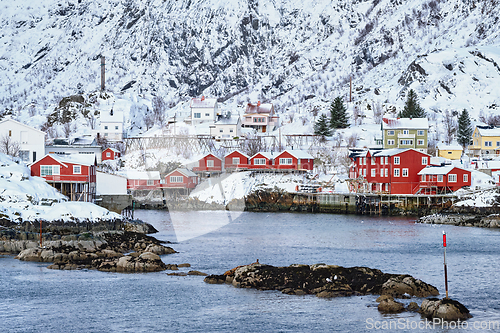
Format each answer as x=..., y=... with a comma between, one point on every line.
x=23, y=197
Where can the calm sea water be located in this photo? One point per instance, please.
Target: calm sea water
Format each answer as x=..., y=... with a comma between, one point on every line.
x=36, y=299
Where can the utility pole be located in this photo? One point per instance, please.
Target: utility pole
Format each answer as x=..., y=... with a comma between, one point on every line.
x=103, y=70
x=350, y=89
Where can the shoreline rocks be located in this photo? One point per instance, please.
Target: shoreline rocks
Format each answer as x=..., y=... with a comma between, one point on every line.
x=465, y=220
x=324, y=280
x=444, y=309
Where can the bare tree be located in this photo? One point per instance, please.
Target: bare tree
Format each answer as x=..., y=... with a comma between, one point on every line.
x=450, y=126
x=8, y=146
x=159, y=107
x=148, y=118
x=253, y=144
x=352, y=140
x=337, y=139
x=378, y=112
x=68, y=129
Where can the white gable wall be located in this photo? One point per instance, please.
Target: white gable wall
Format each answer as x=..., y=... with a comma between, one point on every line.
x=31, y=141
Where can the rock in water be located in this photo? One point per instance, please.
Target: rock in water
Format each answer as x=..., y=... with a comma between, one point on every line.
x=446, y=309
x=389, y=305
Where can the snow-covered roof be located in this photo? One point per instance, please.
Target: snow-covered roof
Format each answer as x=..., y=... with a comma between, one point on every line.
x=489, y=131
x=390, y=152
x=83, y=159
x=405, y=123
x=437, y=170
x=112, y=149
x=117, y=117
x=142, y=175
x=449, y=147
x=259, y=108
x=210, y=154
x=203, y=102
x=185, y=172
x=233, y=120
x=5, y=121
x=267, y=154
x=300, y=154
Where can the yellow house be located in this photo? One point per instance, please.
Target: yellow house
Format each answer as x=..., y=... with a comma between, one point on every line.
x=451, y=152
x=485, y=140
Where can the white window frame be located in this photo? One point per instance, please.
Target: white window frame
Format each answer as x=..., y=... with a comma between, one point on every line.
x=387, y=172
x=420, y=142
x=259, y=161
x=56, y=170
x=390, y=142
x=373, y=160
x=405, y=172
x=210, y=163
x=197, y=115
x=236, y=160
x=466, y=178
x=374, y=172
x=387, y=187
x=286, y=161
x=45, y=169
x=440, y=179
x=488, y=143
x=424, y=178
x=176, y=179
x=420, y=133
x=406, y=132
x=108, y=154
x=77, y=169
x=150, y=182
x=396, y=172
x=397, y=160
x=452, y=178
x=425, y=160
x=390, y=133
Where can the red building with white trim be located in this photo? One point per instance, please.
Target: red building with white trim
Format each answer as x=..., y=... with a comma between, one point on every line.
x=209, y=163
x=142, y=180
x=392, y=171
x=73, y=175
x=443, y=179
x=110, y=154
x=261, y=161
x=180, y=178
x=294, y=160
x=236, y=160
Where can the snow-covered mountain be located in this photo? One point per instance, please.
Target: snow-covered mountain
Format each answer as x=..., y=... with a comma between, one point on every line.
x=295, y=54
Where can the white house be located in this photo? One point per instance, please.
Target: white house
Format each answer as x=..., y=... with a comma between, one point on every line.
x=111, y=125
x=203, y=109
x=108, y=184
x=226, y=128
x=31, y=141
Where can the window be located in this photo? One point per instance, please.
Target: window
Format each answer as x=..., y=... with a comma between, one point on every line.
x=387, y=160
x=207, y=114
x=406, y=142
x=197, y=115
x=254, y=120
x=452, y=178
x=45, y=170
x=498, y=143
x=106, y=127
x=424, y=160
x=77, y=169
x=391, y=133
x=405, y=172
x=286, y=161
x=151, y=182
x=406, y=132
x=116, y=127
x=387, y=172
x=488, y=144
x=108, y=154
x=24, y=155
x=236, y=160
x=396, y=160
x=176, y=179
x=466, y=178
x=387, y=186
x=56, y=169
x=259, y=161
x=390, y=142
x=420, y=133
x=364, y=172
x=10, y=132
x=221, y=130
x=210, y=163
x=396, y=172
x=440, y=178
x=364, y=161
x=424, y=178
x=374, y=160
x=231, y=130
x=374, y=172
x=420, y=142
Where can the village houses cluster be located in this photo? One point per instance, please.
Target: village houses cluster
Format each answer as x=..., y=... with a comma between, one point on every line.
x=399, y=165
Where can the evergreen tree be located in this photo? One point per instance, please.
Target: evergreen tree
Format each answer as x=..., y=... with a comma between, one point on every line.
x=412, y=108
x=464, y=134
x=338, y=114
x=321, y=126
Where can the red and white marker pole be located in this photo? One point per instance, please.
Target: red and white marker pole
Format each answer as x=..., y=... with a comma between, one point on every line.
x=445, y=270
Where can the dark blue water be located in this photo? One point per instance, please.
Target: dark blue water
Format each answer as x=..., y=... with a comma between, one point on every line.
x=36, y=299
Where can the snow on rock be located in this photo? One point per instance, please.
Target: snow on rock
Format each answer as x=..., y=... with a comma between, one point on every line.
x=23, y=197
x=486, y=198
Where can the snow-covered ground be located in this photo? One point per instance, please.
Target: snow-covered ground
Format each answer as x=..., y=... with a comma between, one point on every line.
x=27, y=198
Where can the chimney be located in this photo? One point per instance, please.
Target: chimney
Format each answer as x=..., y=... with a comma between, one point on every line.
x=258, y=103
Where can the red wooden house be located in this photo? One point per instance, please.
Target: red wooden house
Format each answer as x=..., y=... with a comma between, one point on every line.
x=142, y=180
x=443, y=179
x=393, y=171
x=209, y=163
x=73, y=175
x=180, y=178
x=110, y=154
x=294, y=160
x=236, y=160
x=262, y=161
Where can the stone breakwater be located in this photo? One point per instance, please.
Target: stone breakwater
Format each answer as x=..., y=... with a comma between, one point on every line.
x=111, y=251
x=465, y=220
